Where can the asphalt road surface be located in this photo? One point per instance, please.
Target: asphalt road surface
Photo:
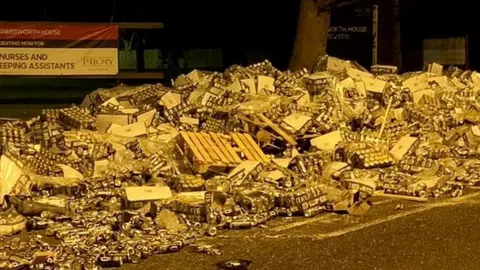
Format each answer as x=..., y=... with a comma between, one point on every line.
x=439, y=234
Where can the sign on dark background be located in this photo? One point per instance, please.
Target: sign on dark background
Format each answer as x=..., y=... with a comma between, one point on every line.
x=350, y=36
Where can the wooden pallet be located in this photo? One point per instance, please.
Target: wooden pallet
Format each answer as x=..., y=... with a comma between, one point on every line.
x=204, y=150
x=249, y=147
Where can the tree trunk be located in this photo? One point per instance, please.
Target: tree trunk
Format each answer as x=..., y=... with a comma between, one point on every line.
x=397, y=41
x=311, y=37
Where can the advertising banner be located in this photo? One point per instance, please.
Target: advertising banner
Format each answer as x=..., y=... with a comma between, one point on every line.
x=58, y=49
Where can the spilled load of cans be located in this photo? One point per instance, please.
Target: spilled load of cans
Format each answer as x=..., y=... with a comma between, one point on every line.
x=137, y=171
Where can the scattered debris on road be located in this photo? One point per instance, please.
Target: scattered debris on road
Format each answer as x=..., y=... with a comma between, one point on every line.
x=235, y=264
x=208, y=249
x=144, y=170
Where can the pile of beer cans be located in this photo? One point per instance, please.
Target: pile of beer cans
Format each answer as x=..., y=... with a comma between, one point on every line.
x=137, y=171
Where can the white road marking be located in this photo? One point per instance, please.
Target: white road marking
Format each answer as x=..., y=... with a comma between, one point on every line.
x=463, y=199
x=325, y=218
x=328, y=218
x=382, y=202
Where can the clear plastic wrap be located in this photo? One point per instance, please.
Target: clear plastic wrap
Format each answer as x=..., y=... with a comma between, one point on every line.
x=259, y=104
x=163, y=146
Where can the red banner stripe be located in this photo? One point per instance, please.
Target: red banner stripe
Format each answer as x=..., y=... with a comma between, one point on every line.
x=58, y=32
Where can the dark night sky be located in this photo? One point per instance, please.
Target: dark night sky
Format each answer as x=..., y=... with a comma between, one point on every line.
x=266, y=24
x=434, y=14
x=192, y=16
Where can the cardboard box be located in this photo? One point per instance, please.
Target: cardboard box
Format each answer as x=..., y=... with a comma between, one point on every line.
x=137, y=197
